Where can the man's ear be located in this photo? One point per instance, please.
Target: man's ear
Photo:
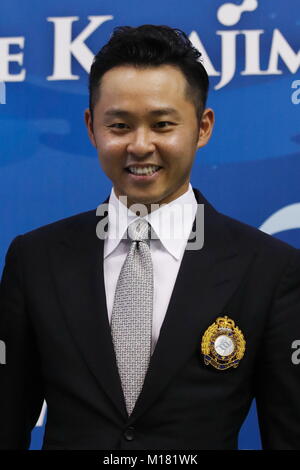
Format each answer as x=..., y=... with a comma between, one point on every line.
x=206, y=127
x=89, y=126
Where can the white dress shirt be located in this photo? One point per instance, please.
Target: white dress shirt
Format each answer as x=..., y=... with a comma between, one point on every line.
x=172, y=224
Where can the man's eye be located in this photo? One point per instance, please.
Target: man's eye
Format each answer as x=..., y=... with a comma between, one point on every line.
x=118, y=125
x=164, y=122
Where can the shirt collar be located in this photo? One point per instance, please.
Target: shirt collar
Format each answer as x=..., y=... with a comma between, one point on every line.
x=171, y=223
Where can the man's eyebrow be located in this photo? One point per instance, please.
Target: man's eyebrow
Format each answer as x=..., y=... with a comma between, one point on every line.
x=117, y=112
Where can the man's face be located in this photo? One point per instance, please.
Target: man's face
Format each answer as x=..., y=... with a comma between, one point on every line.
x=143, y=120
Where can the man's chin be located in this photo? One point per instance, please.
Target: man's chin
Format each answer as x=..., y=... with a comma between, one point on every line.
x=150, y=203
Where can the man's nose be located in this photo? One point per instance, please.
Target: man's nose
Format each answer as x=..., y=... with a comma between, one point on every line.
x=141, y=142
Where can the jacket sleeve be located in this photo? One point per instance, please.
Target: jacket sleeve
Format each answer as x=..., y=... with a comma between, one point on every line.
x=21, y=391
x=277, y=380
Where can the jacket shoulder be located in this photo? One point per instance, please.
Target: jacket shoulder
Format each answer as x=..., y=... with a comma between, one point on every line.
x=247, y=235
x=243, y=236
x=57, y=229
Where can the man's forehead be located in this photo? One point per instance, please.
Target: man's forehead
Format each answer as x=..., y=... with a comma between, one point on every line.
x=122, y=91
x=130, y=78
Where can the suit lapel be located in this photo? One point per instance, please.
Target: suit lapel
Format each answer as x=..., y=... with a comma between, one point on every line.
x=78, y=267
x=206, y=279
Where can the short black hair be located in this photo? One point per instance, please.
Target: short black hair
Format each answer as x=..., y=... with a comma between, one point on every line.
x=150, y=46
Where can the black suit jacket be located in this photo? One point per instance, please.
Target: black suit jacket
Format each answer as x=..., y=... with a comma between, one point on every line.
x=54, y=321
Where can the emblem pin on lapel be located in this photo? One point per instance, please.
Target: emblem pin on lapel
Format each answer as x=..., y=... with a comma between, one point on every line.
x=223, y=344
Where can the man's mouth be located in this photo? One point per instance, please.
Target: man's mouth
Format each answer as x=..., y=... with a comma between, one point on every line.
x=143, y=171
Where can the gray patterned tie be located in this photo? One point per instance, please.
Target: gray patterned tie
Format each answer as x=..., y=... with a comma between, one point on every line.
x=131, y=322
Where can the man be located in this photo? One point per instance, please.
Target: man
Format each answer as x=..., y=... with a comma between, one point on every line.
x=149, y=344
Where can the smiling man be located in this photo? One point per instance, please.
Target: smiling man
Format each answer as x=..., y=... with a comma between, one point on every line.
x=146, y=132
x=135, y=338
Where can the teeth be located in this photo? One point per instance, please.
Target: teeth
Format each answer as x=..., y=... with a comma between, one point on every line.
x=149, y=170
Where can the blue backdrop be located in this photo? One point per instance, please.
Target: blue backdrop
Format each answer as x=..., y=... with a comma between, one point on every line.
x=251, y=168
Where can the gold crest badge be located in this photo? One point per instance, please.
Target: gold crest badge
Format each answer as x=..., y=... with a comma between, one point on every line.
x=223, y=344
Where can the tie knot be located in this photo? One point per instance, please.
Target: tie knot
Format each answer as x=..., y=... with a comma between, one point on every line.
x=139, y=230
